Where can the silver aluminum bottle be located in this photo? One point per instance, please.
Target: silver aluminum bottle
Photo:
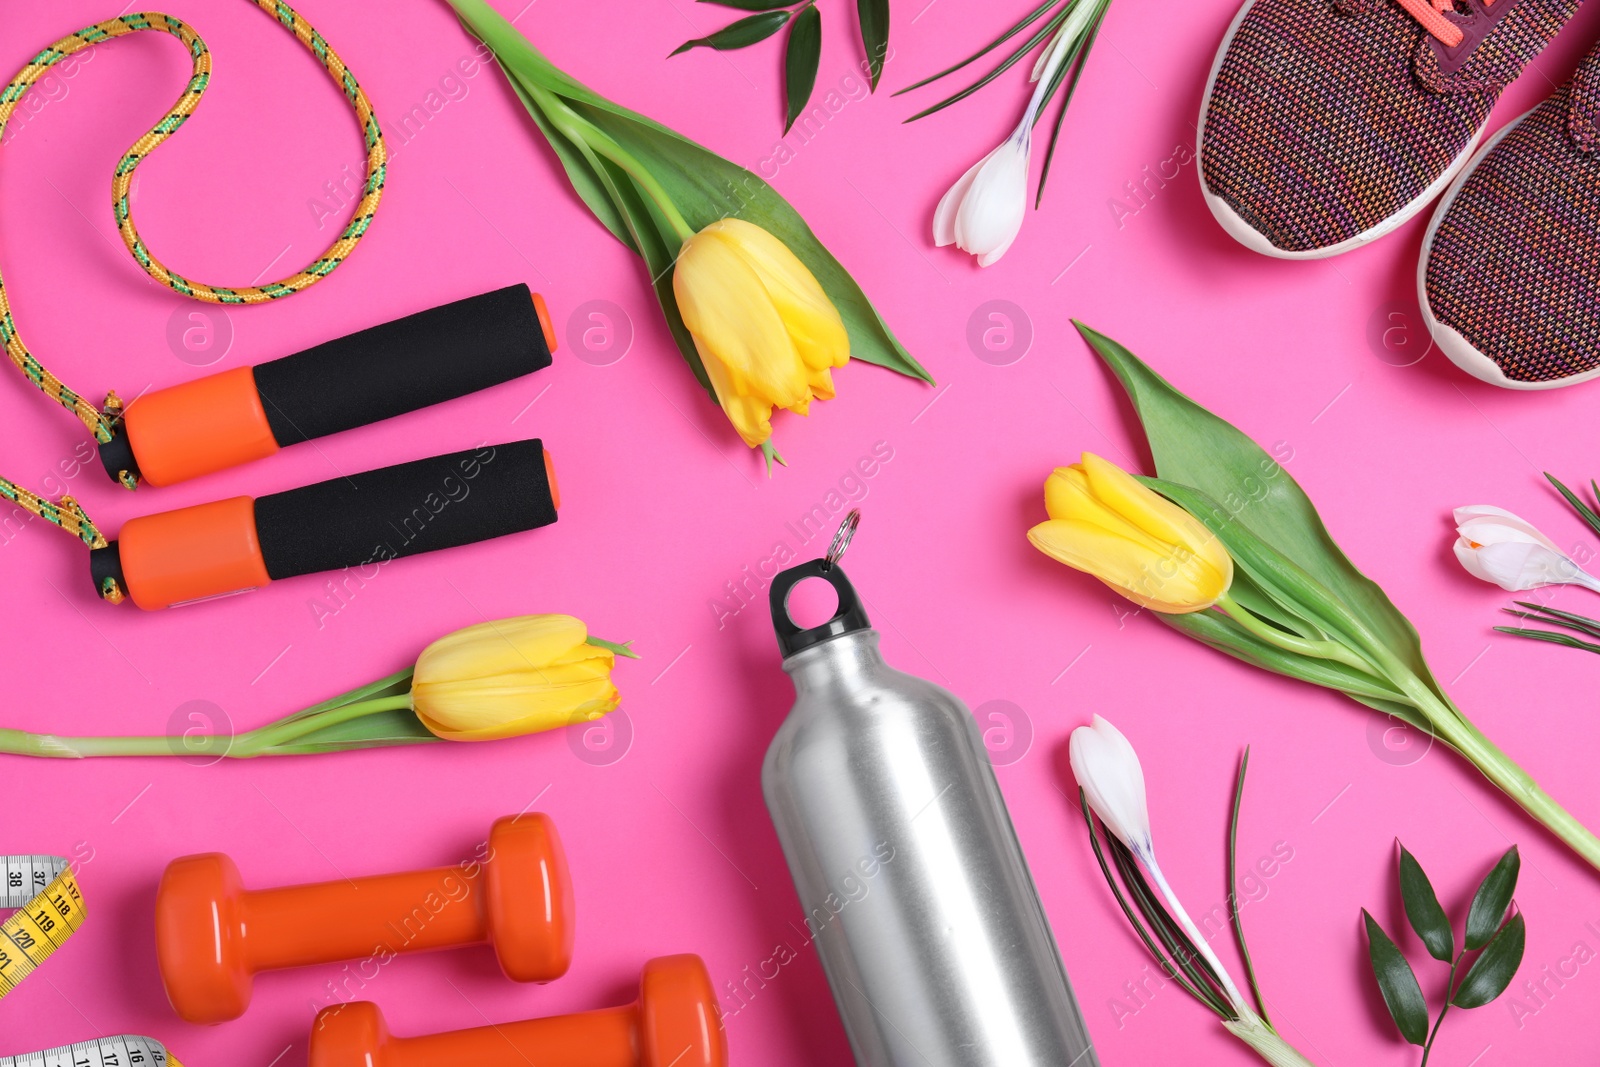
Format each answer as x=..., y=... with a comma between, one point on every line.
x=915, y=890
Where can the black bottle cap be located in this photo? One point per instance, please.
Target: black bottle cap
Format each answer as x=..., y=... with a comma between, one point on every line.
x=848, y=618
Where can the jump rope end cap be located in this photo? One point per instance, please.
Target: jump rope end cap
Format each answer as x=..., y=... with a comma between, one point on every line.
x=545, y=324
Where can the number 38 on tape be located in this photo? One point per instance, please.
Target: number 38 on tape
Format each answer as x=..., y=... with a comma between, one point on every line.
x=49, y=909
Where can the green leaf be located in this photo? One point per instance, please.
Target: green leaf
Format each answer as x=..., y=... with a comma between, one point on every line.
x=1050, y=26
x=704, y=186
x=1493, y=897
x=800, y=61
x=1549, y=636
x=1233, y=888
x=1581, y=623
x=1397, y=982
x=1193, y=447
x=874, y=18
x=379, y=730
x=1585, y=512
x=1493, y=970
x=1027, y=20
x=750, y=5
x=1079, y=60
x=739, y=34
x=1422, y=909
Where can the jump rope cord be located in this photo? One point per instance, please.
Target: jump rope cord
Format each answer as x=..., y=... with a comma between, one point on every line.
x=101, y=422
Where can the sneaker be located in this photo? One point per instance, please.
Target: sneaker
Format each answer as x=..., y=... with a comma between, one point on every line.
x=1510, y=275
x=1329, y=123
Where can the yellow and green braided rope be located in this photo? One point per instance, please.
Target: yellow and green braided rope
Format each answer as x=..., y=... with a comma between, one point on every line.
x=67, y=514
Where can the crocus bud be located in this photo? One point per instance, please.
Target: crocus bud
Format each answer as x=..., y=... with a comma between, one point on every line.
x=1108, y=523
x=1499, y=547
x=1108, y=769
x=983, y=211
x=767, y=334
x=511, y=677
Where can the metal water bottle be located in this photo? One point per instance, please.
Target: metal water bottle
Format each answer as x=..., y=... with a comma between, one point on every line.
x=915, y=889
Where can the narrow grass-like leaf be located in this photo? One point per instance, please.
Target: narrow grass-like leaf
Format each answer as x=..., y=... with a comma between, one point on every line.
x=1585, y=512
x=1077, y=63
x=1027, y=20
x=1193, y=447
x=1493, y=897
x=741, y=34
x=1233, y=888
x=1494, y=968
x=1397, y=982
x=1173, y=970
x=1556, y=617
x=874, y=19
x=1427, y=918
x=1173, y=936
x=1548, y=636
x=1050, y=27
x=800, y=61
x=751, y=5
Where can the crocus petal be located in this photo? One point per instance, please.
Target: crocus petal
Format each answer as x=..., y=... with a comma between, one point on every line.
x=944, y=216
x=1488, y=525
x=993, y=209
x=1519, y=565
x=1108, y=769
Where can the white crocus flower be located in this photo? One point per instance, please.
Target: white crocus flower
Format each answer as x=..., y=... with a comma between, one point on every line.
x=983, y=211
x=1108, y=769
x=1500, y=547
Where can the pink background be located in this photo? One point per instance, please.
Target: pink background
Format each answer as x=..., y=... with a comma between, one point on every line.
x=670, y=845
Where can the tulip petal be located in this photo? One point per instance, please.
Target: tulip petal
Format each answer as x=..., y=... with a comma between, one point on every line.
x=812, y=321
x=1171, y=580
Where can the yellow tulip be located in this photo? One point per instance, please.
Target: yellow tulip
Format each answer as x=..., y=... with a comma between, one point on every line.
x=511, y=677
x=767, y=334
x=1108, y=523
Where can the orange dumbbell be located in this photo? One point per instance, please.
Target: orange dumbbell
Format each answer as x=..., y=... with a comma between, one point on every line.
x=674, y=1023
x=213, y=935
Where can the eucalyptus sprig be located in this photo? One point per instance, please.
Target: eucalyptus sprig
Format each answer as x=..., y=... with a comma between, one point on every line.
x=1063, y=79
x=802, y=54
x=1498, y=940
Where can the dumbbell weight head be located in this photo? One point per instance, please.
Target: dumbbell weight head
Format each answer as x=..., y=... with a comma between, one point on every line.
x=213, y=935
x=675, y=1023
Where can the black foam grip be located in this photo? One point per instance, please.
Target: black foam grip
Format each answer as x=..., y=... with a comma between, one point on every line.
x=399, y=511
x=400, y=366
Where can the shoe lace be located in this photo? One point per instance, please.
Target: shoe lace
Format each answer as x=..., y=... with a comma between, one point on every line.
x=1430, y=13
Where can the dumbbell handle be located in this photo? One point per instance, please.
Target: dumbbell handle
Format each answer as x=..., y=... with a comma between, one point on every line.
x=608, y=1037
x=395, y=912
x=247, y=413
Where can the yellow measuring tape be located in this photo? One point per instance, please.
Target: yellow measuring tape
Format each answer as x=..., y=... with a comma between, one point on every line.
x=48, y=909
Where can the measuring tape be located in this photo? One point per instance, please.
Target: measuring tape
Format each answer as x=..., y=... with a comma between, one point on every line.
x=106, y=1052
x=49, y=909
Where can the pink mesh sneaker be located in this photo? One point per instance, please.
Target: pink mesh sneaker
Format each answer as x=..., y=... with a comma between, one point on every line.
x=1510, y=272
x=1329, y=123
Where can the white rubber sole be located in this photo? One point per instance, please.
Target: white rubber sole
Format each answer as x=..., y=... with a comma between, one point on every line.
x=1254, y=239
x=1462, y=352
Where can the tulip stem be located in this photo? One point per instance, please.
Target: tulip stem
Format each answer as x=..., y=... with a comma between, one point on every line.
x=584, y=133
x=258, y=741
x=1329, y=650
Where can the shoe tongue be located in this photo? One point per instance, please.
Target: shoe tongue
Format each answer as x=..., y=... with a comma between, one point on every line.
x=1498, y=41
x=1583, y=105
